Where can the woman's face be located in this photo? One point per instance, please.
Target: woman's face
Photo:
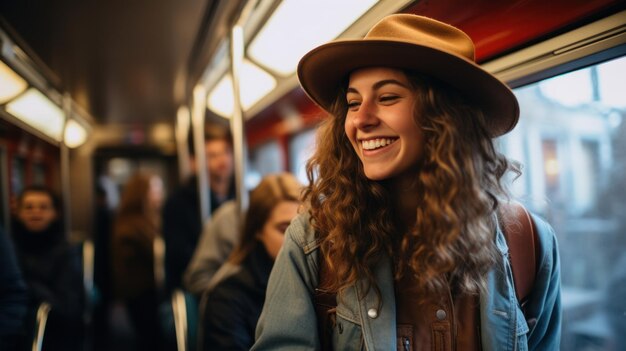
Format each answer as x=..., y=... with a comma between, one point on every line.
x=36, y=211
x=380, y=122
x=273, y=233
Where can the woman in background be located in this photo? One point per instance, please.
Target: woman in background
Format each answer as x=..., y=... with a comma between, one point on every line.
x=233, y=306
x=135, y=229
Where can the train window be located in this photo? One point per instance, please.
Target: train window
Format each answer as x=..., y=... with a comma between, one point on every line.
x=18, y=174
x=301, y=148
x=266, y=159
x=39, y=173
x=571, y=140
x=118, y=170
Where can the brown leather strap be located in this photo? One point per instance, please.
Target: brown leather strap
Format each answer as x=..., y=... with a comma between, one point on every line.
x=521, y=238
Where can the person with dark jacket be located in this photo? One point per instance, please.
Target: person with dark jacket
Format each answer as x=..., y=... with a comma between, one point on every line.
x=232, y=308
x=52, y=268
x=135, y=230
x=13, y=298
x=182, y=223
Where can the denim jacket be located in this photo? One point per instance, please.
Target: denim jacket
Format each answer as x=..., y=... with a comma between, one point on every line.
x=288, y=320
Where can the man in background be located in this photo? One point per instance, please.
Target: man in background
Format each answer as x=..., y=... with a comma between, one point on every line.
x=182, y=223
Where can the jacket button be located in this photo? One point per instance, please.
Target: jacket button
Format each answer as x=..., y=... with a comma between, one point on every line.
x=372, y=313
x=441, y=315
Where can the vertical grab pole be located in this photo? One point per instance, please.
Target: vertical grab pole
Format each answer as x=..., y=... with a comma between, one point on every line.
x=199, y=107
x=237, y=122
x=65, y=168
x=183, y=121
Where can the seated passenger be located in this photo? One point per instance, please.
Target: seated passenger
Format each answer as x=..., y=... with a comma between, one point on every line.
x=233, y=306
x=182, y=223
x=51, y=267
x=219, y=237
x=13, y=302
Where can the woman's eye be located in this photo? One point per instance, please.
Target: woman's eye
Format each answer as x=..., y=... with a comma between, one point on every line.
x=353, y=104
x=388, y=98
x=282, y=227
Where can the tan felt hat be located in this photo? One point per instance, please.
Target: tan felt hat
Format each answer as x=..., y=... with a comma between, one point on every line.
x=417, y=43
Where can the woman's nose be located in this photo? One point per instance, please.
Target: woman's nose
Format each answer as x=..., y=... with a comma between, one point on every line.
x=366, y=116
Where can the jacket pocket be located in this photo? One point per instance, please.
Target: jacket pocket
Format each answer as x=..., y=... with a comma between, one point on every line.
x=441, y=338
x=347, y=335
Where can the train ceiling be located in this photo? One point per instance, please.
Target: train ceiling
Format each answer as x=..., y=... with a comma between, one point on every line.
x=122, y=61
x=137, y=61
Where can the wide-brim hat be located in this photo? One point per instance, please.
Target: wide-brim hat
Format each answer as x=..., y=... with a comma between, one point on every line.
x=417, y=43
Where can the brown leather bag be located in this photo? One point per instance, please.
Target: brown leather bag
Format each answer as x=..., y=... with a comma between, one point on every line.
x=521, y=236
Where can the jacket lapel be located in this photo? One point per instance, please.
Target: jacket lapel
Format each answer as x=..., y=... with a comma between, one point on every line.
x=498, y=310
x=378, y=320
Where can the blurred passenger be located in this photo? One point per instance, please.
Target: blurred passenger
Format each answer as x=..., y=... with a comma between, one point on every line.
x=137, y=224
x=182, y=222
x=219, y=236
x=102, y=267
x=52, y=268
x=13, y=298
x=233, y=306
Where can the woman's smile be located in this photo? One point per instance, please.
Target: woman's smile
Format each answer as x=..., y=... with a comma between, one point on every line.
x=376, y=143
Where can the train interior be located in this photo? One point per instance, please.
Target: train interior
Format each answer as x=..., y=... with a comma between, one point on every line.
x=94, y=91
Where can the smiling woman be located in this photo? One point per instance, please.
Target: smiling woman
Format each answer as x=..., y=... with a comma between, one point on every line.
x=403, y=224
x=403, y=122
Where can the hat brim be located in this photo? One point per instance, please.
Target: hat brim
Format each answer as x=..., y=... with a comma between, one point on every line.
x=323, y=70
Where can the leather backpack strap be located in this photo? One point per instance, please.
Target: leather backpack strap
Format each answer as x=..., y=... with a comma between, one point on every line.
x=521, y=236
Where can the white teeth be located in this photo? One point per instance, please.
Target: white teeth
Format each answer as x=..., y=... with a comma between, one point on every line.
x=376, y=143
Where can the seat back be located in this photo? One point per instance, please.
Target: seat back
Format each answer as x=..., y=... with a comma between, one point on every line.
x=185, y=313
x=88, y=252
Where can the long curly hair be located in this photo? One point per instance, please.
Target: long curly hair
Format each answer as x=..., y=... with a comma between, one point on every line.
x=459, y=182
x=135, y=204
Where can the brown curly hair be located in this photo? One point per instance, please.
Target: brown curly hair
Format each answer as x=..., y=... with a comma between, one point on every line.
x=459, y=179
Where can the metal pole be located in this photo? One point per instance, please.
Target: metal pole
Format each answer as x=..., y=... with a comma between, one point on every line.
x=183, y=121
x=199, y=107
x=237, y=122
x=65, y=168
